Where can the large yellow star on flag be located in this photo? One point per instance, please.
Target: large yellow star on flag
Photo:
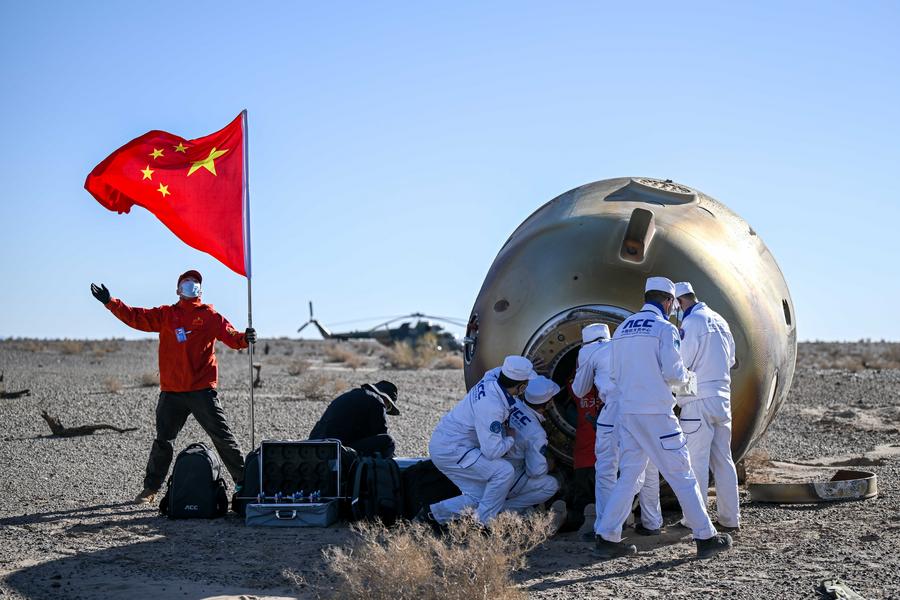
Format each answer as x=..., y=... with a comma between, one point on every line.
x=164, y=190
x=207, y=163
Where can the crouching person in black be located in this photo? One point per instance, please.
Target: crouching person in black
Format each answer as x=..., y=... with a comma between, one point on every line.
x=358, y=419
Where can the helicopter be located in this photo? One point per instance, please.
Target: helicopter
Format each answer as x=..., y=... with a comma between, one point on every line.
x=407, y=331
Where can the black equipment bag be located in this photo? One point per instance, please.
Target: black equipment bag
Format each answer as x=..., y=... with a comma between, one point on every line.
x=250, y=491
x=196, y=489
x=423, y=485
x=377, y=490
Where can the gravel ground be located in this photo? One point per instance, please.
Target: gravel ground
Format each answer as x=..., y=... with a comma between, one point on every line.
x=68, y=529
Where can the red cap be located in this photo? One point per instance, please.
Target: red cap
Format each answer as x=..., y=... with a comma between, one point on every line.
x=193, y=274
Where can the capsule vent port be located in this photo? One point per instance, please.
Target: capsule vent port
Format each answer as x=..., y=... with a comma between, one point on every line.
x=787, y=312
x=638, y=235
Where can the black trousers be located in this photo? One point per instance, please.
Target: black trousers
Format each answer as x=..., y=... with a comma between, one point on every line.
x=381, y=443
x=580, y=495
x=172, y=412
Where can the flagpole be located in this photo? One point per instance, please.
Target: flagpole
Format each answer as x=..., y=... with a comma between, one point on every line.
x=247, y=265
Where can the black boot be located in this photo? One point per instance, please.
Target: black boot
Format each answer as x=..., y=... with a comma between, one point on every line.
x=573, y=522
x=641, y=530
x=425, y=517
x=717, y=543
x=605, y=550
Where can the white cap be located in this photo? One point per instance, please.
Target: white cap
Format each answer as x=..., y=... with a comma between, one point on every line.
x=660, y=284
x=518, y=368
x=540, y=390
x=682, y=288
x=593, y=332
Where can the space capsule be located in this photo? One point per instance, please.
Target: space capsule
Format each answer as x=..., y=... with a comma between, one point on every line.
x=583, y=258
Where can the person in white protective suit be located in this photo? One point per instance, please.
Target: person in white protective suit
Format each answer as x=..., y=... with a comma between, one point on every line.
x=707, y=348
x=645, y=365
x=532, y=484
x=469, y=443
x=594, y=370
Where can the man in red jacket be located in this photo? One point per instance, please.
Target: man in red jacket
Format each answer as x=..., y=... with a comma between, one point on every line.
x=188, y=373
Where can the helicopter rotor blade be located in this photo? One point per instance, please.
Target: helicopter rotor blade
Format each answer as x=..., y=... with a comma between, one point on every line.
x=302, y=327
x=451, y=320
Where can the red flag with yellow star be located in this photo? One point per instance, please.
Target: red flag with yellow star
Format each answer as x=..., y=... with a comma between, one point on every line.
x=195, y=187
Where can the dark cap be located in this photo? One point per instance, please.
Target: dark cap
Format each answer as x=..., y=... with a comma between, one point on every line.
x=388, y=391
x=192, y=274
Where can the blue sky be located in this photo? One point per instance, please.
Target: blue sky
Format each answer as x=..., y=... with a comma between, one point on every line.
x=395, y=146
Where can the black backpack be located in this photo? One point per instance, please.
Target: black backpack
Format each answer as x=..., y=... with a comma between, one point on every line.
x=196, y=489
x=423, y=485
x=377, y=490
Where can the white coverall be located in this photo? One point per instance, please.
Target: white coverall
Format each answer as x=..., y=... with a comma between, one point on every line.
x=594, y=369
x=468, y=446
x=528, y=456
x=644, y=363
x=707, y=348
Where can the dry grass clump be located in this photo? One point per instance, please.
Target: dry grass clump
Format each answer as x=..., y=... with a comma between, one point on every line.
x=342, y=354
x=71, y=347
x=30, y=345
x=409, y=563
x=850, y=356
x=451, y=361
x=102, y=347
x=320, y=386
x=112, y=385
x=298, y=367
x=423, y=355
x=149, y=379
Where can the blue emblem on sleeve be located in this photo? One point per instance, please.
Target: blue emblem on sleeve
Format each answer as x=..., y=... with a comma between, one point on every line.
x=496, y=427
x=544, y=450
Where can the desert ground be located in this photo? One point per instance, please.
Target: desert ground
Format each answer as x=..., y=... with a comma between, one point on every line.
x=68, y=528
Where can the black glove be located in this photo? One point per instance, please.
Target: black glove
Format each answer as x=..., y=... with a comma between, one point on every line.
x=250, y=334
x=100, y=293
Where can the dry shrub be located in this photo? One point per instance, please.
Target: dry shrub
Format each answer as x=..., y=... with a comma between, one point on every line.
x=71, y=347
x=321, y=386
x=422, y=355
x=30, y=345
x=102, y=347
x=451, y=361
x=112, y=385
x=149, y=379
x=298, y=367
x=850, y=356
x=342, y=354
x=892, y=354
x=409, y=563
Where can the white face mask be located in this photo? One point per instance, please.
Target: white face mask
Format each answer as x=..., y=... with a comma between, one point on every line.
x=189, y=289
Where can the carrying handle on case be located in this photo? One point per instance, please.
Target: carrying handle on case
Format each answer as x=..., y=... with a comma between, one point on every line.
x=290, y=518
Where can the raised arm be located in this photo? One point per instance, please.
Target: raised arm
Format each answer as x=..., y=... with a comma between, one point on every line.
x=489, y=418
x=231, y=336
x=584, y=374
x=142, y=319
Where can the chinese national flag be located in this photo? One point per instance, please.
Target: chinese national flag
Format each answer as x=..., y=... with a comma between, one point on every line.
x=195, y=187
